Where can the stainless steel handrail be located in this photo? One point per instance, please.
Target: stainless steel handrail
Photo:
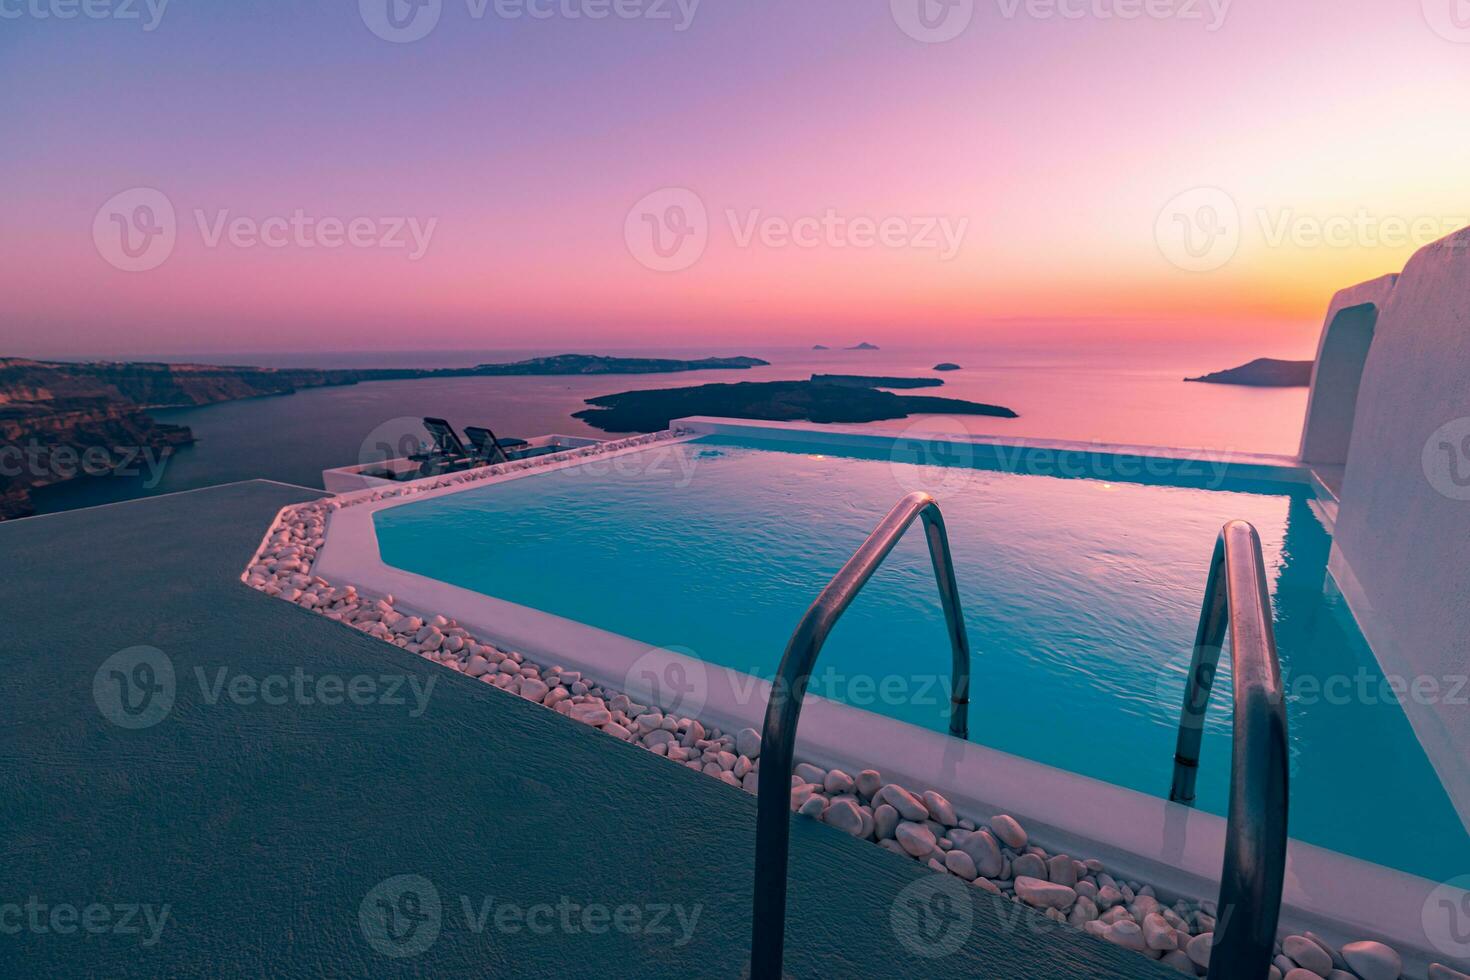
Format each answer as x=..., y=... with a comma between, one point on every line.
x=1255, y=835
x=783, y=711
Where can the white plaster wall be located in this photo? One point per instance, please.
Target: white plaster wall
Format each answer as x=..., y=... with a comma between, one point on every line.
x=1402, y=547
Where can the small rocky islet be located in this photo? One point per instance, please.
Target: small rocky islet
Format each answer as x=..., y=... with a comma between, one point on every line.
x=1263, y=372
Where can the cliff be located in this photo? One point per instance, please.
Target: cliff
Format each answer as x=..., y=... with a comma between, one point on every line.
x=58, y=423
x=60, y=420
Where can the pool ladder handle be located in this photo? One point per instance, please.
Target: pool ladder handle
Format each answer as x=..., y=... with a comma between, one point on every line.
x=1254, y=867
x=783, y=710
x=1255, y=851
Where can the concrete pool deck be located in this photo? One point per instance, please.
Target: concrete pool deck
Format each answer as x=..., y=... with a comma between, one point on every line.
x=264, y=827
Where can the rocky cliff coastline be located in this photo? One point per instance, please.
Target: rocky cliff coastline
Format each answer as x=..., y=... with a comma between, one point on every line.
x=60, y=420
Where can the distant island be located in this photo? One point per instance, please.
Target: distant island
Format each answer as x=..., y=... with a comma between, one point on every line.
x=863, y=346
x=593, y=364
x=820, y=347
x=72, y=419
x=946, y=366
x=777, y=401
x=1263, y=372
x=864, y=381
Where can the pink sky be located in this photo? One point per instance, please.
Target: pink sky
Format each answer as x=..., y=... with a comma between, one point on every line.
x=1053, y=143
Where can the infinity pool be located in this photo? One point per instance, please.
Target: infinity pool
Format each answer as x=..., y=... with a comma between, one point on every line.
x=1081, y=596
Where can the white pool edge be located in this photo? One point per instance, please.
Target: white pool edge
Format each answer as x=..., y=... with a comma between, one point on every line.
x=1176, y=848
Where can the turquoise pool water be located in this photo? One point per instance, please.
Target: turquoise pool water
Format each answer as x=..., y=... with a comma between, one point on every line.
x=1081, y=596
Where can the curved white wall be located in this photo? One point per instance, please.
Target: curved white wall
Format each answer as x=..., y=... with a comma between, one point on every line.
x=1401, y=551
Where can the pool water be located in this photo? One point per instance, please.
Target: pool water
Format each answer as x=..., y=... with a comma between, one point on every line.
x=1081, y=596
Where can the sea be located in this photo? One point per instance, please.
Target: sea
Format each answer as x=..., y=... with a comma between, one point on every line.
x=1132, y=395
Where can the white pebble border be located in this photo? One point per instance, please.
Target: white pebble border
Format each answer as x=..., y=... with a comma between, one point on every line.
x=996, y=856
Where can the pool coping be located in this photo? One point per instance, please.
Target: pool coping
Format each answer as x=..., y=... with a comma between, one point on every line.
x=1176, y=848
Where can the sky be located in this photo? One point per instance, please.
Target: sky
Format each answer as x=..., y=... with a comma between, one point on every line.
x=237, y=175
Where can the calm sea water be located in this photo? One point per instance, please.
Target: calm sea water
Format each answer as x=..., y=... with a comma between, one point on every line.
x=1126, y=396
x=1081, y=598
